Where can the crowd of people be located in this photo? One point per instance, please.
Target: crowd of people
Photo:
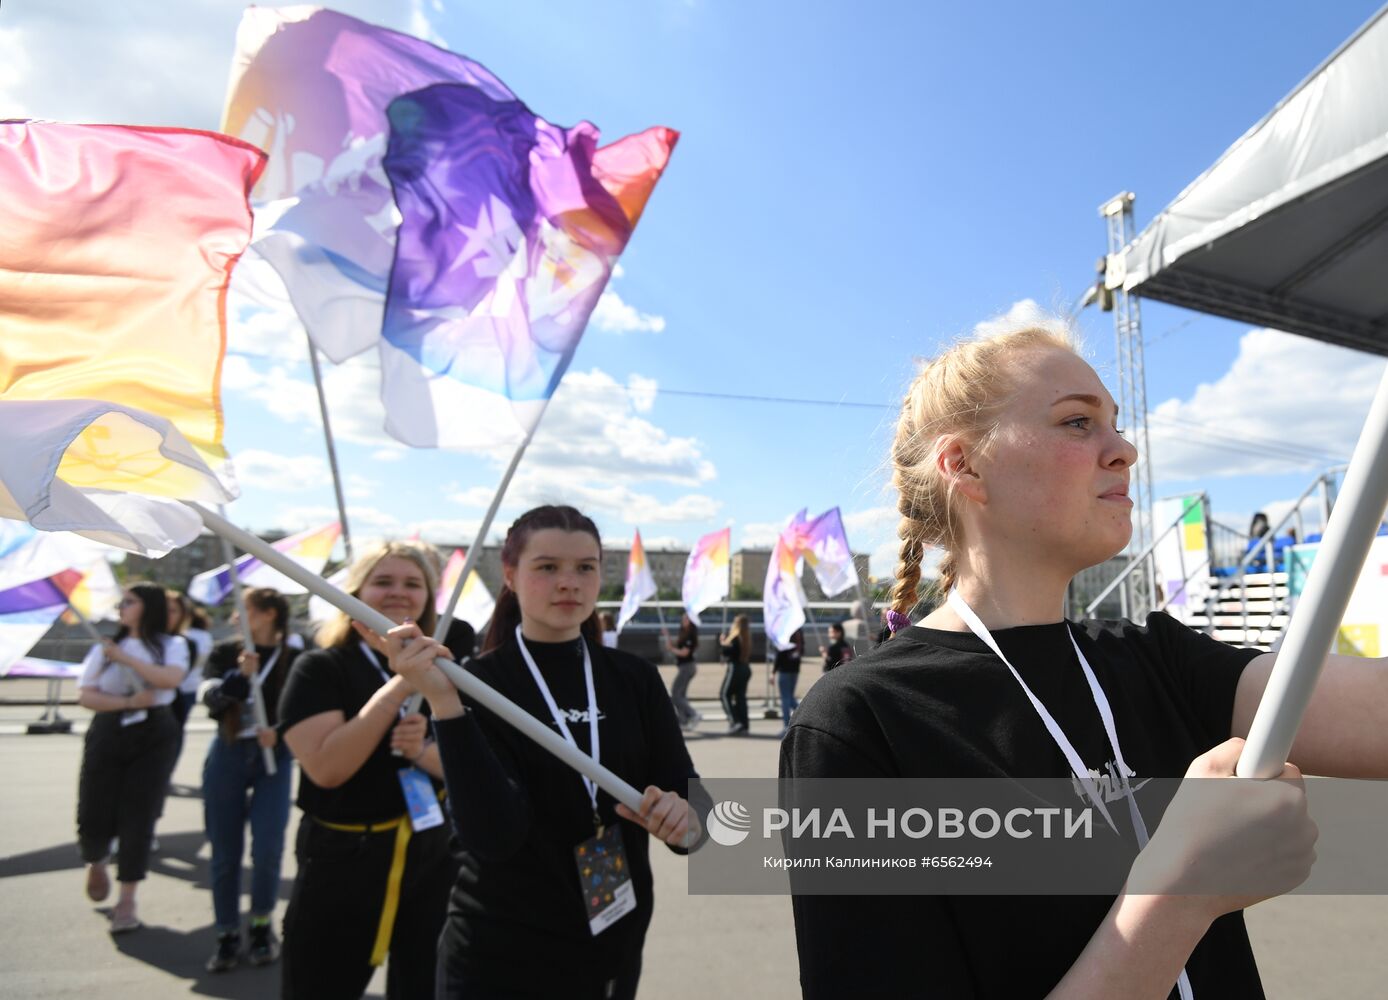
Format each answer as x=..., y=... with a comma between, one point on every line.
x=449, y=847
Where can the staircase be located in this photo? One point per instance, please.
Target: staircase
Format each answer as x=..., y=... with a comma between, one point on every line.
x=1250, y=612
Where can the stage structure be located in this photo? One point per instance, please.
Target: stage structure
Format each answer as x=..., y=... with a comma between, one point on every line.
x=1287, y=229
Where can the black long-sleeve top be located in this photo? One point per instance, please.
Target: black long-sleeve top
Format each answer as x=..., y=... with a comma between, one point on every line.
x=517, y=915
x=224, y=686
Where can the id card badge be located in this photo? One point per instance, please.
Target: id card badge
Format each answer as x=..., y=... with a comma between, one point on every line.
x=420, y=799
x=605, y=877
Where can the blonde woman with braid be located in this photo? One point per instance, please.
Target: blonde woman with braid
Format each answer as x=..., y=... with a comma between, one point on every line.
x=1008, y=459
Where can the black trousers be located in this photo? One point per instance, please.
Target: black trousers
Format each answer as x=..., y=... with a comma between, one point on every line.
x=335, y=909
x=125, y=770
x=734, y=693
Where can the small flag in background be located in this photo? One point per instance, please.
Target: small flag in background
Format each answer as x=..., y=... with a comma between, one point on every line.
x=826, y=550
x=115, y=253
x=310, y=549
x=28, y=611
x=640, y=586
x=706, y=572
x=783, y=599
x=475, y=603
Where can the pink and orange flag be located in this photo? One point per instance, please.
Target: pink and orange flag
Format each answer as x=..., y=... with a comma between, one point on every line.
x=115, y=253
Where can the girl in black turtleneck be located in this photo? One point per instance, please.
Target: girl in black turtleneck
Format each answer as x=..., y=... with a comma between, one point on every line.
x=518, y=924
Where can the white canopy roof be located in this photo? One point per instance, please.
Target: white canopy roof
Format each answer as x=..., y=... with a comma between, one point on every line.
x=1289, y=228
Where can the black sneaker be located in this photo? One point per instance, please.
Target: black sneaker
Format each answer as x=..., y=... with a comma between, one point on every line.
x=265, y=947
x=228, y=952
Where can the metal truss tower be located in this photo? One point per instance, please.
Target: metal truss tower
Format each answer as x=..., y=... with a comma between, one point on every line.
x=1117, y=213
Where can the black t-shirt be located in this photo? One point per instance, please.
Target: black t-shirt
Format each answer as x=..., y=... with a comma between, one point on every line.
x=685, y=648
x=732, y=652
x=342, y=678
x=934, y=704
x=788, y=660
x=835, y=653
x=517, y=915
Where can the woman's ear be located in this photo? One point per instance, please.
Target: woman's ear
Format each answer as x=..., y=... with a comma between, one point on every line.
x=953, y=462
x=508, y=577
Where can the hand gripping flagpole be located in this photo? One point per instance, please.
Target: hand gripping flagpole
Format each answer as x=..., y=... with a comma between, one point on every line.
x=1311, y=632
x=467, y=683
x=262, y=719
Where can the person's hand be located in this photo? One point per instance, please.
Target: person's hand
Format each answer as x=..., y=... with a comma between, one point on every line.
x=144, y=698
x=664, y=815
x=370, y=637
x=412, y=655
x=1229, y=842
x=113, y=653
x=248, y=662
x=407, y=738
x=822, y=650
x=266, y=737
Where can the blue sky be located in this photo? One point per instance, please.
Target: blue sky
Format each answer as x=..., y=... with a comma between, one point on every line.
x=854, y=186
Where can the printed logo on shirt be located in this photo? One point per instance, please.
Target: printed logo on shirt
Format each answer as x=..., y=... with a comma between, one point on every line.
x=1109, y=785
x=574, y=716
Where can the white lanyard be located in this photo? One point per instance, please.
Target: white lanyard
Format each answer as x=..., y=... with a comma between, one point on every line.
x=370, y=654
x=961, y=608
x=588, y=783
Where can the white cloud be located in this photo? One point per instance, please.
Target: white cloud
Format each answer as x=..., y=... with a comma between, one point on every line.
x=146, y=62
x=593, y=432
x=387, y=454
x=264, y=470
x=1023, y=313
x=362, y=520
x=1287, y=404
x=452, y=531
x=613, y=315
x=758, y=534
x=474, y=496
x=267, y=333
x=420, y=25
x=359, y=487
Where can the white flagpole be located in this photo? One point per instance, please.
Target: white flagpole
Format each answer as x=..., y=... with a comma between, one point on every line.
x=467, y=683
x=1311, y=633
x=474, y=550
x=261, y=718
x=332, y=450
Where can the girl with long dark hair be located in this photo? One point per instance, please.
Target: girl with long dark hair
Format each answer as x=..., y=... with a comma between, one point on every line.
x=236, y=787
x=521, y=922
x=685, y=645
x=374, y=865
x=129, y=683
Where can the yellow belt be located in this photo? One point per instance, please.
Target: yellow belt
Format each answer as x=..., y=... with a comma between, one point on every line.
x=402, y=828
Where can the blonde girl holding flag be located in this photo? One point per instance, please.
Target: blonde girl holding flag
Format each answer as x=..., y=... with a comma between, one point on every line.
x=1008, y=457
x=374, y=865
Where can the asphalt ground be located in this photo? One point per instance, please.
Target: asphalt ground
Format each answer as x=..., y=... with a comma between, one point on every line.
x=54, y=942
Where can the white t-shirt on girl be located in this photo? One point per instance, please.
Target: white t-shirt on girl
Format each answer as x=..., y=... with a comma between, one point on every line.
x=112, y=678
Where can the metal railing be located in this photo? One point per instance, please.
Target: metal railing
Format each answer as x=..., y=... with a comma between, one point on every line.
x=1146, y=561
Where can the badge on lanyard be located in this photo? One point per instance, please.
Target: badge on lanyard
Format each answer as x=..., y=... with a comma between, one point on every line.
x=605, y=877
x=603, y=873
x=420, y=799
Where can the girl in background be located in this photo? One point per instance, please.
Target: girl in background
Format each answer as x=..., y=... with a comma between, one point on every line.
x=685, y=646
x=129, y=683
x=736, y=647
x=237, y=789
